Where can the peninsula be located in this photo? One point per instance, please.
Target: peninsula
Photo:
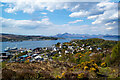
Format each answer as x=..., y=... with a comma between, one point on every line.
x=13, y=37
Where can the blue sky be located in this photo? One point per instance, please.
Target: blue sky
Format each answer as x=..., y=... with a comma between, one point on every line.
x=51, y=18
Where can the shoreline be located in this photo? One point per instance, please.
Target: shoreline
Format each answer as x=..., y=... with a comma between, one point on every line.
x=36, y=42
x=72, y=38
x=33, y=40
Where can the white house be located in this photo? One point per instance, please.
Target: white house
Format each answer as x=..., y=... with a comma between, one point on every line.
x=70, y=47
x=90, y=48
x=91, y=54
x=59, y=52
x=59, y=55
x=60, y=46
x=54, y=49
x=66, y=52
x=82, y=49
x=83, y=45
x=38, y=57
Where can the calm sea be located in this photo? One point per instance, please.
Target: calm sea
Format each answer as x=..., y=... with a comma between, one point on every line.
x=35, y=44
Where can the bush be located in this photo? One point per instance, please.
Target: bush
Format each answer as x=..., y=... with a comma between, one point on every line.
x=116, y=53
x=85, y=58
x=97, y=58
x=108, y=60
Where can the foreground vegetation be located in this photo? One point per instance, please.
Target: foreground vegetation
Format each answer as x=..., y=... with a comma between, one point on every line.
x=84, y=64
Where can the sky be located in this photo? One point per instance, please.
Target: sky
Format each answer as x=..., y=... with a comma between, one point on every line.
x=51, y=17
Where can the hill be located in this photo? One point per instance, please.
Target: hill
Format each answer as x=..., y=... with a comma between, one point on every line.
x=77, y=59
x=13, y=37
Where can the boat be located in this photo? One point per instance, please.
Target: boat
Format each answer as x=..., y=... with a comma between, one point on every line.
x=7, y=49
x=15, y=48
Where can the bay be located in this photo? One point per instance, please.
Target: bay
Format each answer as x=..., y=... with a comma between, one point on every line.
x=41, y=43
x=31, y=44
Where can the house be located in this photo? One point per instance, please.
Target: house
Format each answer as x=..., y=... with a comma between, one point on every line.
x=37, y=57
x=37, y=49
x=59, y=52
x=60, y=46
x=66, y=52
x=54, y=49
x=33, y=60
x=41, y=59
x=50, y=59
x=48, y=54
x=98, y=49
x=3, y=56
x=21, y=51
x=28, y=57
x=70, y=47
x=53, y=53
x=23, y=57
x=83, y=45
x=45, y=58
x=29, y=54
x=90, y=48
x=6, y=55
x=49, y=48
x=59, y=55
x=34, y=55
x=91, y=54
x=82, y=49
x=29, y=51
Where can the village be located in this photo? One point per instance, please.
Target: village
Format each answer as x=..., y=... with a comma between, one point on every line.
x=48, y=53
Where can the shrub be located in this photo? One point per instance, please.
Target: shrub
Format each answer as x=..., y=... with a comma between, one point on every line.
x=103, y=64
x=81, y=75
x=116, y=53
x=108, y=60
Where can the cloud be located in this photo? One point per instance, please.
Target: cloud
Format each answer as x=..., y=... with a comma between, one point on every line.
x=25, y=24
x=111, y=23
x=44, y=13
x=79, y=14
x=76, y=21
x=56, y=0
x=110, y=14
x=92, y=17
x=30, y=6
x=109, y=28
x=45, y=27
x=105, y=13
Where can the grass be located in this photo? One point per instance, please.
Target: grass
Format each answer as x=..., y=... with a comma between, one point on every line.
x=110, y=72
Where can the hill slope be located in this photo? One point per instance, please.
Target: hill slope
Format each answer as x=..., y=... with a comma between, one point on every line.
x=13, y=37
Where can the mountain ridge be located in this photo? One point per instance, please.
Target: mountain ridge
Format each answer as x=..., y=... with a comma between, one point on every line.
x=69, y=35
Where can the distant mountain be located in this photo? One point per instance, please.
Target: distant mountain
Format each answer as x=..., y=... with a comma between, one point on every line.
x=12, y=37
x=68, y=35
x=114, y=36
